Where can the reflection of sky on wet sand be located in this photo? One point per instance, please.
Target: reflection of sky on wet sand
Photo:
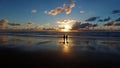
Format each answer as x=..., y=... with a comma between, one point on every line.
x=66, y=46
x=3, y=40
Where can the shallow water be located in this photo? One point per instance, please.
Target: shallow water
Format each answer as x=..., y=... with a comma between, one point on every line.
x=73, y=51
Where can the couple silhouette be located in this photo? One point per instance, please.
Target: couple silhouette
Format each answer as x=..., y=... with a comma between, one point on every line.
x=65, y=37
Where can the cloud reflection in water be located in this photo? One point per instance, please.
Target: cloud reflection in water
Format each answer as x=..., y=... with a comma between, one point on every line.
x=65, y=45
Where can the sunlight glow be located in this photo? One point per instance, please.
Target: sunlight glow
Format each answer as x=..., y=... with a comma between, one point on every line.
x=66, y=28
x=66, y=24
x=66, y=49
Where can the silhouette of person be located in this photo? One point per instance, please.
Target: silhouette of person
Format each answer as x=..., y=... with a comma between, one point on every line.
x=64, y=36
x=67, y=39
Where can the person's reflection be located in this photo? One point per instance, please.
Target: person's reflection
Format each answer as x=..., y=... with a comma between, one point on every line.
x=65, y=44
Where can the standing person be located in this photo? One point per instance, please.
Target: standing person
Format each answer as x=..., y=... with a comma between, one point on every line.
x=66, y=36
x=66, y=39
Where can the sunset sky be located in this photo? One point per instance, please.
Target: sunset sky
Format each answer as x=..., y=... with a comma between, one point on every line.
x=39, y=11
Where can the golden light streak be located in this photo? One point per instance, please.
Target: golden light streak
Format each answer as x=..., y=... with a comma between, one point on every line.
x=66, y=46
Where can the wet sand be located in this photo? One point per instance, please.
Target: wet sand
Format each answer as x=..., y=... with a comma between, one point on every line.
x=53, y=59
x=38, y=52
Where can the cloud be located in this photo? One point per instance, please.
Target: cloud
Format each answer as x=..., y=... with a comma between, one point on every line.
x=29, y=23
x=3, y=22
x=100, y=20
x=115, y=11
x=118, y=19
x=78, y=25
x=81, y=11
x=104, y=20
x=34, y=11
x=107, y=19
x=84, y=25
x=66, y=21
x=117, y=24
x=46, y=12
x=72, y=5
x=14, y=24
x=92, y=19
x=55, y=11
x=48, y=26
x=66, y=8
x=59, y=9
x=110, y=23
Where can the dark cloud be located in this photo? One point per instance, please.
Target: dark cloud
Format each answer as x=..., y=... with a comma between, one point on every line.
x=110, y=23
x=76, y=25
x=118, y=19
x=84, y=25
x=100, y=20
x=92, y=19
x=94, y=25
x=14, y=24
x=115, y=11
x=30, y=23
x=117, y=24
x=104, y=20
x=79, y=25
x=107, y=19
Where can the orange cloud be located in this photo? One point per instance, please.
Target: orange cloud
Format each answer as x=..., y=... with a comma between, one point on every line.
x=67, y=8
x=55, y=11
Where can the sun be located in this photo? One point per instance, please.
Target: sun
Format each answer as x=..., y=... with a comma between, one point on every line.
x=66, y=28
x=65, y=25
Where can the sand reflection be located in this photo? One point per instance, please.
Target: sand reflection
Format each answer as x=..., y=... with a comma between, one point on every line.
x=3, y=39
x=65, y=44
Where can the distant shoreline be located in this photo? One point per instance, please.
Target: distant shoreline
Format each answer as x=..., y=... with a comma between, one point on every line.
x=108, y=33
x=33, y=30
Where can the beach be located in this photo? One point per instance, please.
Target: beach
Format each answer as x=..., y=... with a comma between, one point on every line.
x=57, y=52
